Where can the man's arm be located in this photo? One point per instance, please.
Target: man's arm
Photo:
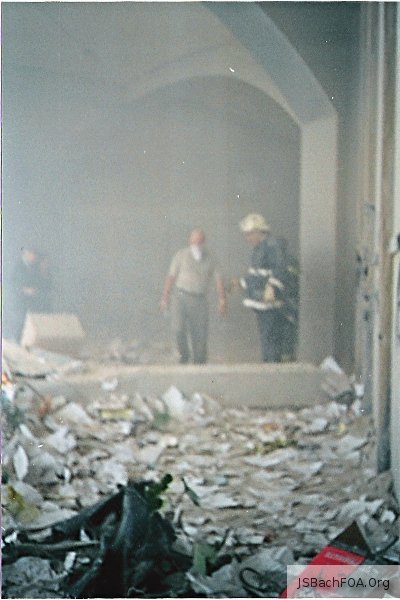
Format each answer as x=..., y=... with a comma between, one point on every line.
x=168, y=285
x=221, y=294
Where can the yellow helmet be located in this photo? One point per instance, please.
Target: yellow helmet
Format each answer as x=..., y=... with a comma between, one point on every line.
x=254, y=222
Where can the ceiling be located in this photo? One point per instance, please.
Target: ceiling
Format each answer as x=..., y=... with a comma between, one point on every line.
x=120, y=43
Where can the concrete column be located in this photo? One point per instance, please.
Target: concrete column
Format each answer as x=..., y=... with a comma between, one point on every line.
x=317, y=238
x=395, y=337
x=395, y=363
x=378, y=206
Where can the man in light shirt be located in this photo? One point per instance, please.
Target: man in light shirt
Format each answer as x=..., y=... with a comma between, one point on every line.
x=188, y=281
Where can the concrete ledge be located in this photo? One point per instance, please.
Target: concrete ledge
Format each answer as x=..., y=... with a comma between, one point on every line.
x=253, y=385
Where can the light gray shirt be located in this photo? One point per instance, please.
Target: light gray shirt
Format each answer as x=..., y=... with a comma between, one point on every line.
x=191, y=275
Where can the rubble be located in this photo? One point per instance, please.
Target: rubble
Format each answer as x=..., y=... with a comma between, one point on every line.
x=134, y=352
x=337, y=385
x=19, y=361
x=251, y=489
x=36, y=362
x=30, y=577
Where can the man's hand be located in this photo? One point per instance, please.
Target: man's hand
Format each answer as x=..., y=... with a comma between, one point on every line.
x=28, y=291
x=269, y=294
x=222, y=306
x=164, y=303
x=166, y=293
x=221, y=295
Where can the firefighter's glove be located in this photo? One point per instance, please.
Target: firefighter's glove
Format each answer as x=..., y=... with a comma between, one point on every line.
x=269, y=294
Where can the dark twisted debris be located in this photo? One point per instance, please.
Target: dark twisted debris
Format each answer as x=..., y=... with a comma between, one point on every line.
x=123, y=547
x=129, y=548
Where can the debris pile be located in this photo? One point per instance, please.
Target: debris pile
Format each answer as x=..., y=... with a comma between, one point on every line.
x=250, y=492
x=36, y=363
x=133, y=352
x=337, y=385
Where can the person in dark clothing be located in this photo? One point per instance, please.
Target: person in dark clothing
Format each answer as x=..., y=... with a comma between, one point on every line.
x=27, y=289
x=263, y=285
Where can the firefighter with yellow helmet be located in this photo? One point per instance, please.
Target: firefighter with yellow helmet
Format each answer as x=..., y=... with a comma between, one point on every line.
x=263, y=284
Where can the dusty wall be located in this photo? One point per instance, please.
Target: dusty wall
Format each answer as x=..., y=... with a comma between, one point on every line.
x=110, y=201
x=75, y=179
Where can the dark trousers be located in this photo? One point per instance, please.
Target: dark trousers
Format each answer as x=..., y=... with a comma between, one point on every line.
x=21, y=309
x=270, y=327
x=190, y=326
x=13, y=323
x=289, y=340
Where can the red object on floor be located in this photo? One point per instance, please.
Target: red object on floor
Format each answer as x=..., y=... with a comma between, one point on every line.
x=349, y=549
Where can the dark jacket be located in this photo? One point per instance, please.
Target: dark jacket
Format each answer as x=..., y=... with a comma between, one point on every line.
x=27, y=276
x=267, y=265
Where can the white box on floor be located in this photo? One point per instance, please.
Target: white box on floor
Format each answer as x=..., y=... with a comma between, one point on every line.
x=56, y=332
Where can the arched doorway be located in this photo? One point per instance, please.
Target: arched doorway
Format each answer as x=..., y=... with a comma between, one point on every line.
x=200, y=152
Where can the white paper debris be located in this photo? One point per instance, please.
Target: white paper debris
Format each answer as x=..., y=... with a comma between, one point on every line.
x=176, y=403
x=330, y=364
x=62, y=440
x=112, y=473
x=21, y=463
x=307, y=468
x=109, y=385
x=219, y=501
x=349, y=443
x=73, y=414
x=26, y=432
x=317, y=425
x=387, y=516
x=49, y=518
x=28, y=492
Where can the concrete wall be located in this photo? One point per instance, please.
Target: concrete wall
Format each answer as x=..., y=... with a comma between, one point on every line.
x=109, y=187
x=395, y=334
